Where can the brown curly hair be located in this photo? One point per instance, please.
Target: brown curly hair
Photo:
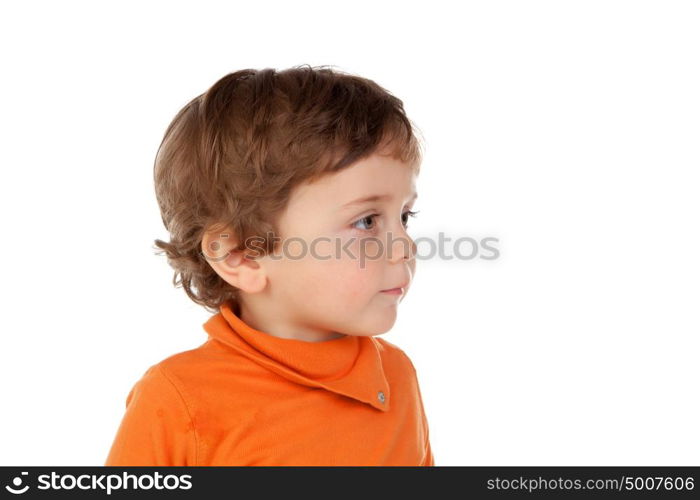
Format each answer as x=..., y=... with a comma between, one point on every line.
x=232, y=156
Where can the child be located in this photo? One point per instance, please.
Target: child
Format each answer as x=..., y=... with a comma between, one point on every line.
x=286, y=195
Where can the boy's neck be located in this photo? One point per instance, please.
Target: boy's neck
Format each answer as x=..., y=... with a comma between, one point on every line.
x=276, y=324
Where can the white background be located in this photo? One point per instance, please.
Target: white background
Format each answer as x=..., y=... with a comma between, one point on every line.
x=568, y=130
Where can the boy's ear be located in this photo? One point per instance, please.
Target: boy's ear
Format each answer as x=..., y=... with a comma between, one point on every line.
x=235, y=266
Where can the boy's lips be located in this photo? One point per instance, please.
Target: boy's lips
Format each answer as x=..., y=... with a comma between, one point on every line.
x=397, y=290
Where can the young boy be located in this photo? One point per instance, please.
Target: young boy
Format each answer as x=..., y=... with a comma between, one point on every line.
x=286, y=195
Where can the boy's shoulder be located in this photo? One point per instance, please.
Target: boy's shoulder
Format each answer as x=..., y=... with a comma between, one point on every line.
x=178, y=361
x=184, y=368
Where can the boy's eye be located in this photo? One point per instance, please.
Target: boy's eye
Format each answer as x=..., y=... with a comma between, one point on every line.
x=369, y=219
x=365, y=219
x=408, y=214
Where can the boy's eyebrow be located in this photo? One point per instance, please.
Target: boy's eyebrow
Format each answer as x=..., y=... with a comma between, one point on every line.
x=374, y=197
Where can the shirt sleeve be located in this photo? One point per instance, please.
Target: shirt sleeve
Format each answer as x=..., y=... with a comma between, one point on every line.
x=429, y=459
x=157, y=428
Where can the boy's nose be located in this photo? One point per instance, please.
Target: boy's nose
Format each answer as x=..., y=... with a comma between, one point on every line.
x=401, y=247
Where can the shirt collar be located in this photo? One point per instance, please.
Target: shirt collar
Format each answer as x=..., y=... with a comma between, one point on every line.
x=349, y=365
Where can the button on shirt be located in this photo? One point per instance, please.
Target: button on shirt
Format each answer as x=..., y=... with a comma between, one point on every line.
x=245, y=397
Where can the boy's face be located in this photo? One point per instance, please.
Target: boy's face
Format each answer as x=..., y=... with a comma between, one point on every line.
x=343, y=293
x=335, y=257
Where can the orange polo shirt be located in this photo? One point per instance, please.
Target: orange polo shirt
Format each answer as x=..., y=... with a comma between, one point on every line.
x=245, y=397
